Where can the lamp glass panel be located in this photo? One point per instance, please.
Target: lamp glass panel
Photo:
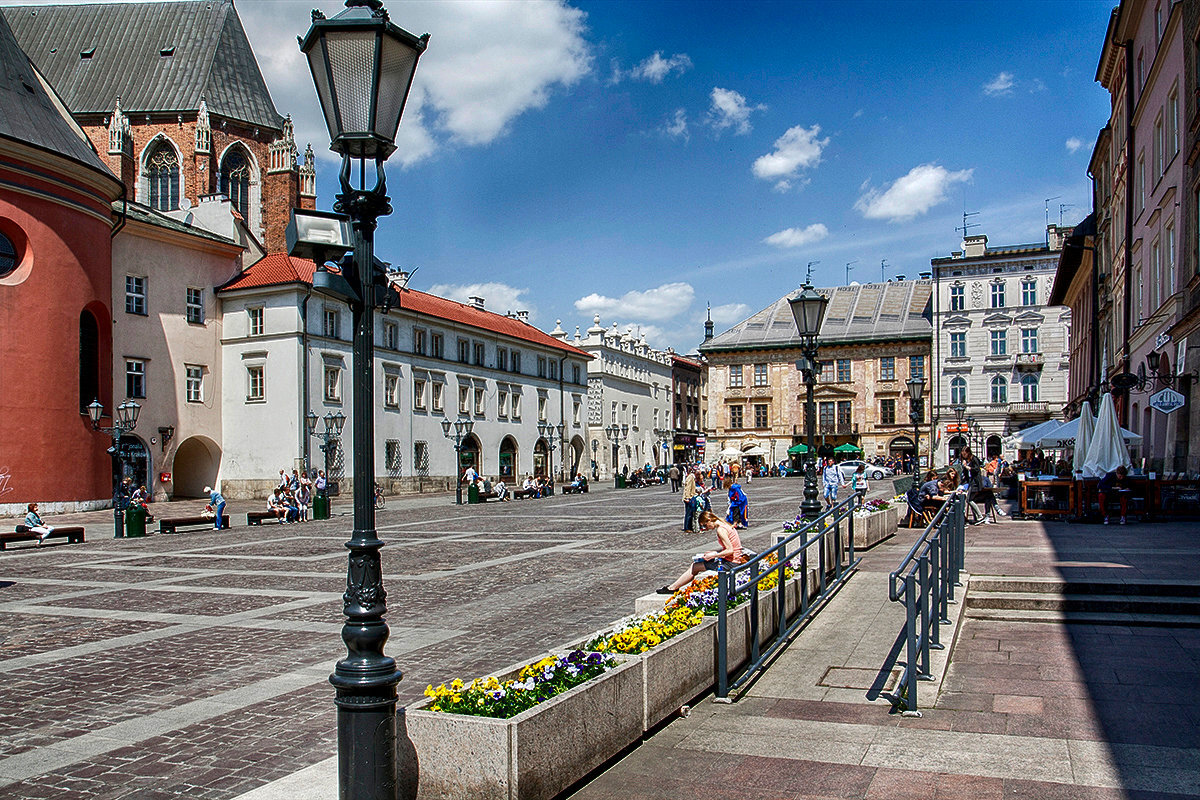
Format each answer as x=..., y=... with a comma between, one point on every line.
x=397, y=61
x=352, y=64
x=95, y=411
x=446, y=426
x=339, y=419
x=316, y=64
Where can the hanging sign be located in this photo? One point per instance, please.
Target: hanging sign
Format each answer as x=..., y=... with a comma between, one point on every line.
x=1167, y=400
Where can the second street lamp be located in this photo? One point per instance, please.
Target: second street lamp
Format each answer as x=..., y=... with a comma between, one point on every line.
x=124, y=420
x=808, y=310
x=363, y=67
x=457, y=432
x=916, y=391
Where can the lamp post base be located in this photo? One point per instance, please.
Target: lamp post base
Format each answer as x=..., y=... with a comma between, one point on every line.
x=118, y=523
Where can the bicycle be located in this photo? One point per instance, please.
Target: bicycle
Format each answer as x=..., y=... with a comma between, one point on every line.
x=380, y=502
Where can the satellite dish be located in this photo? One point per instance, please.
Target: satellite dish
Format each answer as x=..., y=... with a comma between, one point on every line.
x=185, y=204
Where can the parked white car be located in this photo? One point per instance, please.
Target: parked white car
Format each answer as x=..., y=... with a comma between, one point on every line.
x=873, y=473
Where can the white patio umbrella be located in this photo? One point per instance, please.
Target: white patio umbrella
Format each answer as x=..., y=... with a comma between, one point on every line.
x=731, y=452
x=1108, y=448
x=1027, y=439
x=1060, y=438
x=754, y=451
x=1087, y=423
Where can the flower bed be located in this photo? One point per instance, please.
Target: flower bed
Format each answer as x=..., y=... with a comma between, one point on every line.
x=643, y=633
x=538, y=752
x=535, y=683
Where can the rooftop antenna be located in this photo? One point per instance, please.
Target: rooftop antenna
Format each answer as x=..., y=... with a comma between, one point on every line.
x=966, y=226
x=850, y=266
x=1061, y=208
x=1048, y=199
x=808, y=280
x=882, y=266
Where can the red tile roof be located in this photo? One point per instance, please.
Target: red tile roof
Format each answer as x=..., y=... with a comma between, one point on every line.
x=279, y=269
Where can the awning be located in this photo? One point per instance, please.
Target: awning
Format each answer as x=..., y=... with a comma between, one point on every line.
x=797, y=450
x=847, y=448
x=754, y=451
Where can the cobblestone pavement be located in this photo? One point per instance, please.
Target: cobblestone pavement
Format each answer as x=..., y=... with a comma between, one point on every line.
x=196, y=664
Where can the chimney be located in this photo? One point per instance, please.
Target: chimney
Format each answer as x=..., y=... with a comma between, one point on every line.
x=926, y=275
x=476, y=302
x=974, y=246
x=899, y=278
x=522, y=315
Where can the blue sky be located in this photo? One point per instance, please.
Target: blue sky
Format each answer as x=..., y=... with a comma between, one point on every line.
x=642, y=159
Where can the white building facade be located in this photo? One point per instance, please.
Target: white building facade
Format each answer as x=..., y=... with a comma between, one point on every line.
x=1001, y=350
x=288, y=351
x=630, y=386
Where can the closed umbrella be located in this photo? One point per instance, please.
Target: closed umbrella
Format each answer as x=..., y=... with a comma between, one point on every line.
x=1087, y=424
x=1107, y=450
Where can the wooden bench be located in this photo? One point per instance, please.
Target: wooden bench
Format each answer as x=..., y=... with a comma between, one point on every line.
x=569, y=489
x=531, y=494
x=174, y=523
x=23, y=534
x=259, y=517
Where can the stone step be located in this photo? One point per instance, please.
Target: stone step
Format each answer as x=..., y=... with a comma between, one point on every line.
x=1085, y=618
x=1098, y=603
x=989, y=583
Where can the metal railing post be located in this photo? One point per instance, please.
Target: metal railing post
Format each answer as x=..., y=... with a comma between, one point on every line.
x=910, y=615
x=753, y=612
x=722, y=635
x=923, y=583
x=941, y=568
x=781, y=590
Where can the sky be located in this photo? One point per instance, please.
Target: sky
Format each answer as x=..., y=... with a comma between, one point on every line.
x=647, y=160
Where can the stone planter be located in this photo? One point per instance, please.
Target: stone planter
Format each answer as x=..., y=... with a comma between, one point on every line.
x=871, y=529
x=532, y=756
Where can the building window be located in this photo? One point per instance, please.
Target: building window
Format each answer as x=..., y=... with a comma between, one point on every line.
x=195, y=384
x=999, y=389
x=391, y=455
x=421, y=457
x=1029, y=389
x=541, y=409
x=843, y=370
x=502, y=359
x=575, y=374
x=541, y=367
x=1173, y=120
x=195, y=306
x=418, y=394
x=135, y=378
x=633, y=418
x=502, y=403
x=419, y=336
x=761, y=415
x=826, y=415
x=843, y=416
x=162, y=173
x=464, y=399
x=1029, y=292
x=1170, y=236
x=480, y=399
x=958, y=391
x=478, y=348
x=1156, y=276
x=515, y=401
x=1141, y=178
x=331, y=323
x=1029, y=340
x=516, y=360
x=464, y=351
x=554, y=370
x=735, y=417
x=760, y=374
x=997, y=295
x=333, y=384
x=255, y=318
x=958, y=300
x=391, y=336
x=255, y=383
x=887, y=368
x=576, y=411
x=916, y=366
x=614, y=413
x=958, y=345
x=439, y=394
x=735, y=376
x=999, y=343
x=1159, y=145
x=235, y=180
x=391, y=391
x=437, y=346
x=887, y=411
x=135, y=295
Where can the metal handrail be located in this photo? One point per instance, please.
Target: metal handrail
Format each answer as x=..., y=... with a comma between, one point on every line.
x=813, y=532
x=925, y=582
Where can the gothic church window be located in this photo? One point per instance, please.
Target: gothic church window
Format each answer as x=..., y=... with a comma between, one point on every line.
x=162, y=172
x=235, y=180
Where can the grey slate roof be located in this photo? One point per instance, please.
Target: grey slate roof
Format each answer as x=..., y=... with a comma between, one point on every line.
x=30, y=112
x=211, y=56
x=140, y=213
x=871, y=312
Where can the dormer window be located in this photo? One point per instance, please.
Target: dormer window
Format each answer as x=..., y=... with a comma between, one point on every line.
x=86, y=54
x=167, y=51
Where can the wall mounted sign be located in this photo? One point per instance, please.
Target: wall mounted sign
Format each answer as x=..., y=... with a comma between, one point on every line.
x=1167, y=400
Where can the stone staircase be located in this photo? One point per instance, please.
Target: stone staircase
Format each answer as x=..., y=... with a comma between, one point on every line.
x=1156, y=603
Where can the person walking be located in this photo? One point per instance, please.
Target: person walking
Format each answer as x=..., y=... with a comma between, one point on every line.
x=673, y=474
x=831, y=482
x=689, y=500
x=739, y=505
x=35, y=525
x=217, y=501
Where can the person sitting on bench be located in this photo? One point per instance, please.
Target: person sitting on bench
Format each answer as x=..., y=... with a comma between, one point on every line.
x=501, y=490
x=729, y=552
x=1114, y=482
x=276, y=507
x=34, y=523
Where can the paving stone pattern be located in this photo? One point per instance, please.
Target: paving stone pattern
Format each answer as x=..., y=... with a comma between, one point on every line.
x=195, y=664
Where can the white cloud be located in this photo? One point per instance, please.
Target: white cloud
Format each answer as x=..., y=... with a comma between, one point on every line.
x=661, y=303
x=1073, y=144
x=730, y=110
x=911, y=195
x=470, y=84
x=655, y=68
x=497, y=297
x=798, y=148
x=797, y=237
x=677, y=126
x=999, y=85
x=730, y=313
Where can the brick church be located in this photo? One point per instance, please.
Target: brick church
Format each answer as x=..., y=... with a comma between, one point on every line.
x=172, y=98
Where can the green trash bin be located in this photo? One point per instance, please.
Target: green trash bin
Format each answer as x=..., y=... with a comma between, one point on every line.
x=472, y=494
x=135, y=522
x=620, y=481
x=320, y=507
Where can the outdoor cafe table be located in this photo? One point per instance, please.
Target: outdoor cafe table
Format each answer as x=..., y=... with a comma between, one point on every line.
x=1140, y=497
x=1045, y=496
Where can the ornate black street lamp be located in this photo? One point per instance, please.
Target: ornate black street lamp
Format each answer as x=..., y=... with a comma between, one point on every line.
x=124, y=421
x=960, y=411
x=363, y=67
x=331, y=434
x=916, y=391
x=595, y=465
x=548, y=431
x=808, y=309
x=457, y=432
x=616, y=435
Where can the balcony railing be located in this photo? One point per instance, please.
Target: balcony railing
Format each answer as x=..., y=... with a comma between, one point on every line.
x=1030, y=360
x=1028, y=409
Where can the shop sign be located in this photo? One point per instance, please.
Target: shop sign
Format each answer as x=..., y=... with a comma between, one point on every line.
x=164, y=477
x=1167, y=400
